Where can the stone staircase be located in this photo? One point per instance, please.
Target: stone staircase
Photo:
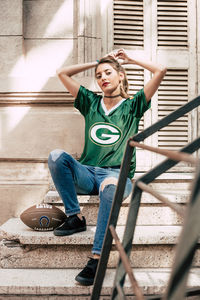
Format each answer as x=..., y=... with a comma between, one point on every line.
x=39, y=264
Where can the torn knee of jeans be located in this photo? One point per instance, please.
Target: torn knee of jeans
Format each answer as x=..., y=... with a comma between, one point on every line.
x=108, y=181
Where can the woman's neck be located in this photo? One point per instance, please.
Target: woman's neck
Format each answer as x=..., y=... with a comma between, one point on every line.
x=110, y=102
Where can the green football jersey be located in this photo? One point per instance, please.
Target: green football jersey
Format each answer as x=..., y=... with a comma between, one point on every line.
x=107, y=132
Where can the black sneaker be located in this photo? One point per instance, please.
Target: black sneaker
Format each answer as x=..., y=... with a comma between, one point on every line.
x=86, y=276
x=71, y=225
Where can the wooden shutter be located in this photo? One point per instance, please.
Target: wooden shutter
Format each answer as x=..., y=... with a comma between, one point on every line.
x=128, y=23
x=172, y=34
x=128, y=27
x=172, y=94
x=136, y=82
x=172, y=23
x=165, y=31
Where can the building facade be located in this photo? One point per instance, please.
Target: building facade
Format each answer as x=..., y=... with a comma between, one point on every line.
x=36, y=112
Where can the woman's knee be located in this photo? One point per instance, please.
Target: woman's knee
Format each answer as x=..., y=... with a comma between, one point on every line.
x=108, y=181
x=109, y=184
x=54, y=158
x=54, y=155
x=107, y=189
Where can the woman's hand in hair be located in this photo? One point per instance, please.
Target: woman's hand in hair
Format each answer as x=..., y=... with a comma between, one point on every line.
x=110, y=55
x=122, y=57
x=118, y=55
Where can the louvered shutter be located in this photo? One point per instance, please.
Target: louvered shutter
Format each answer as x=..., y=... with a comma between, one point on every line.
x=136, y=82
x=172, y=33
x=166, y=32
x=172, y=23
x=128, y=24
x=172, y=94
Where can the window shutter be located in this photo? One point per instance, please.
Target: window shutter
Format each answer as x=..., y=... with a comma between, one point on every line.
x=172, y=94
x=136, y=82
x=129, y=28
x=172, y=23
x=128, y=23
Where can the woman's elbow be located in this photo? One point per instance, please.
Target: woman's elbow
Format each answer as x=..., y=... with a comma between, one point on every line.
x=163, y=70
x=59, y=72
x=160, y=73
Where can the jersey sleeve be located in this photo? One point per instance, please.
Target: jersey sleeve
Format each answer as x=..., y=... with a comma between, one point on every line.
x=84, y=99
x=139, y=104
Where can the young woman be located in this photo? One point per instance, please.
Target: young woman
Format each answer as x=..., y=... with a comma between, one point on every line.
x=110, y=120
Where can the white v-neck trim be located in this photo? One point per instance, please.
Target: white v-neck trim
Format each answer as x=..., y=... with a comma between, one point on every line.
x=108, y=111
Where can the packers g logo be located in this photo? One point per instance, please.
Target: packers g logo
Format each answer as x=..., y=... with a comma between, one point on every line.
x=105, y=134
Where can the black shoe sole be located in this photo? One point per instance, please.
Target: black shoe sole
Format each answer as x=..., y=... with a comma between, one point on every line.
x=84, y=281
x=68, y=232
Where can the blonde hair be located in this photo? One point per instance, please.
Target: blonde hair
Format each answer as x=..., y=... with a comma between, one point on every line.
x=116, y=65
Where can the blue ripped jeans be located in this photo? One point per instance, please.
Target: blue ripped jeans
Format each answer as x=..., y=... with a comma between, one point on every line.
x=71, y=178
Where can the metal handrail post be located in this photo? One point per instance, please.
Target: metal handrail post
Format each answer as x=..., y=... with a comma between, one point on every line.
x=176, y=207
x=130, y=228
x=167, y=120
x=120, y=188
x=186, y=247
x=168, y=163
x=146, y=178
x=107, y=244
x=136, y=288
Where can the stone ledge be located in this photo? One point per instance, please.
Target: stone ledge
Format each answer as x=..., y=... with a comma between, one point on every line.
x=17, y=256
x=151, y=212
x=180, y=181
x=61, y=282
x=15, y=230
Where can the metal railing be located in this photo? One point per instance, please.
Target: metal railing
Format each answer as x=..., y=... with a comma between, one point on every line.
x=139, y=187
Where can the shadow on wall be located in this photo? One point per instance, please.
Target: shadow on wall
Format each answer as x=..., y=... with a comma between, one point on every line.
x=28, y=64
x=48, y=43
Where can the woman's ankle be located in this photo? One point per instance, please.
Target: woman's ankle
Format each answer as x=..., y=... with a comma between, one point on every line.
x=80, y=216
x=96, y=256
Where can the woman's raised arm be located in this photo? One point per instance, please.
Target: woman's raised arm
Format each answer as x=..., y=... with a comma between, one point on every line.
x=65, y=74
x=158, y=72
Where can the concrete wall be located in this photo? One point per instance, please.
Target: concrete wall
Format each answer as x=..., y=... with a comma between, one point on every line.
x=36, y=113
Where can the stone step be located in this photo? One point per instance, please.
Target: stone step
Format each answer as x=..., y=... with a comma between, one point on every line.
x=160, y=186
x=22, y=247
x=166, y=179
x=151, y=211
x=60, y=284
x=176, y=196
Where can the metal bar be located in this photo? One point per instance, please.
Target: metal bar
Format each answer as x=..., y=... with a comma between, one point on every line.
x=167, y=120
x=168, y=163
x=136, y=289
x=186, y=247
x=176, y=207
x=134, y=207
x=129, y=230
x=107, y=244
x=121, y=186
x=121, y=292
x=175, y=155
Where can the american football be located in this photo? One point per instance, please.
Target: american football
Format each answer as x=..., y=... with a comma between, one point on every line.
x=43, y=217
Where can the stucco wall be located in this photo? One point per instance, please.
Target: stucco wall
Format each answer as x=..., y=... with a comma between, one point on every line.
x=36, y=114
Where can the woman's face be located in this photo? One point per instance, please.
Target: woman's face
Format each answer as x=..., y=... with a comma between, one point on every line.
x=108, y=78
